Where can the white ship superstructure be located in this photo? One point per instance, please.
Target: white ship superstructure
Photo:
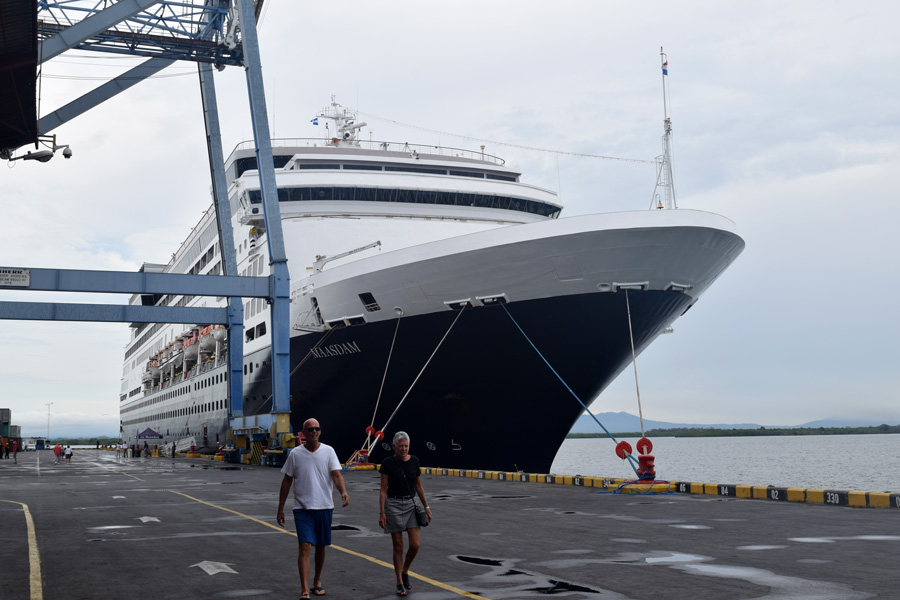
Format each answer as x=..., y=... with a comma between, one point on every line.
x=386, y=244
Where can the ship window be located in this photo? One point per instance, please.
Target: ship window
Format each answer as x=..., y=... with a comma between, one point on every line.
x=369, y=302
x=245, y=369
x=417, y=170
x=322, y=193
x=500, y=177
x=467, y=174
x=368, y=194
x=261, y=330
x=300, y=165
x=362, y=167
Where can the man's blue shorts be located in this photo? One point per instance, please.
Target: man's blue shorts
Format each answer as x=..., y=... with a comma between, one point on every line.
x=313, y=526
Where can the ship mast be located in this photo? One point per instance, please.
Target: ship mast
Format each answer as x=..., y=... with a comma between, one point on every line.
x=665, y=177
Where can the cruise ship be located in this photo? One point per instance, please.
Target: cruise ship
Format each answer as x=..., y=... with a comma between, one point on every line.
x=433, y=291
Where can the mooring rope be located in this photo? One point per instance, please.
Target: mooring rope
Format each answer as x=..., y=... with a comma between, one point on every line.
x=383, y=379
x=402, y=400
x=634, y=362
x=294, y=370
x=369, y=444
x=630, y=458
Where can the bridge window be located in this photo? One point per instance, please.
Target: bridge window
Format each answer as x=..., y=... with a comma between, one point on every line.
x=443, y=197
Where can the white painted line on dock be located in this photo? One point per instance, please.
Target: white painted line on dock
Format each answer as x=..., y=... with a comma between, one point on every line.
x=212, y=567
x=433, y=582
x=34, y=558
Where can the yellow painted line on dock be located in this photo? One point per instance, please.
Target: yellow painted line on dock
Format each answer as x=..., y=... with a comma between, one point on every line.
x=433, y=582
x=34, y=557
x=130, y=475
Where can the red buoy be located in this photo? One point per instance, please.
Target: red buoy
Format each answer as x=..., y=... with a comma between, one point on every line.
x=370, y=430
x=644, y=446
x=378, y=435
x=623, y=449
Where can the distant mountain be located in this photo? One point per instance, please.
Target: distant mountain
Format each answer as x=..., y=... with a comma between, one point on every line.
x=622, y=422
x=852, y=422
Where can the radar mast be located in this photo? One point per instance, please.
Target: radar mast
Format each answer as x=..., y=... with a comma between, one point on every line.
x=665, y=177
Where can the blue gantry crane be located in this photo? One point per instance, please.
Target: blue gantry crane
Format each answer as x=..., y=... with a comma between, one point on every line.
x=215, y=34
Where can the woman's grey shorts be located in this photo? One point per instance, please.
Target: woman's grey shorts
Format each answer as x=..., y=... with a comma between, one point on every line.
x=400, y=514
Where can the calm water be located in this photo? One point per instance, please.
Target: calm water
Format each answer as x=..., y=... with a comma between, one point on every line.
x=843, y=462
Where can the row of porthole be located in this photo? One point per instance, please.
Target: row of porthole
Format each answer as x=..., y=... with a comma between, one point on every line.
x=204, y=383
x=181, y=412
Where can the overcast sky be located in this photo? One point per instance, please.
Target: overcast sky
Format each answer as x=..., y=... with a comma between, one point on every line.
x=786, y=120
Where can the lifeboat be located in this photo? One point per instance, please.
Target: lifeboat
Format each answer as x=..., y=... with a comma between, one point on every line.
x=207, y=340
x=191, y=349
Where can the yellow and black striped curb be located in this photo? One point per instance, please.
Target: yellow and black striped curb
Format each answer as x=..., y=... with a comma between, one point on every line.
x=780, y=494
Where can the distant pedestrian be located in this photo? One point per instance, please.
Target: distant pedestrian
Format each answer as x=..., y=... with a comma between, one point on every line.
x=68, y=453
x=400, y=485
x=310, y=470
x=57, y=452
x=118, y=450
x=6, y=450
x=15, y=450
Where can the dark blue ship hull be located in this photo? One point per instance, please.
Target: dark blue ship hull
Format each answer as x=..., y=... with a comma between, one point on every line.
x=487, y=400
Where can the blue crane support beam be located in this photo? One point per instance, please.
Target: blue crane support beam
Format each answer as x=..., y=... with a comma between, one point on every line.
x=281, y=362
x=124, y=282
x=103, y=93
x=59, y=311
x=91, y=26
x=235, y=357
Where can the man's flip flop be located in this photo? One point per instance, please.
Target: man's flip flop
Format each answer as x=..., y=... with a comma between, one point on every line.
x=317, y=590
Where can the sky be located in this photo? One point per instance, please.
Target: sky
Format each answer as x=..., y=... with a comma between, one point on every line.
x=786, y=120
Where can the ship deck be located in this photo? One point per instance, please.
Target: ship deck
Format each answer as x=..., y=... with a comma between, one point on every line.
x=195, y=528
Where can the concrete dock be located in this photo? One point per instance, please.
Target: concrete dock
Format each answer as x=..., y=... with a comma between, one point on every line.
x=103, y=527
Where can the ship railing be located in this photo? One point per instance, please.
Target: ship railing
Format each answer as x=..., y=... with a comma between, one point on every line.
x=420, y=150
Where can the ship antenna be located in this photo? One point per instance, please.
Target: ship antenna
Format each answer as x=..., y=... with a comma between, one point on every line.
x=665, y=177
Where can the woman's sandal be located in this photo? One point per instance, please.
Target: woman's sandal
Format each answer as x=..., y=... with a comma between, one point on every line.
x=405, y=578
x=400, y=590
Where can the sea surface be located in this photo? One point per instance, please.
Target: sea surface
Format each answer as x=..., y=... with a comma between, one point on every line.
x=839, y=462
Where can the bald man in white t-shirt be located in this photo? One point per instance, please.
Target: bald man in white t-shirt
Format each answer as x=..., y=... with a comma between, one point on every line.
x=310, y=470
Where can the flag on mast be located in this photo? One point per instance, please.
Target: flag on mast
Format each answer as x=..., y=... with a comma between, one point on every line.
x=665, y=67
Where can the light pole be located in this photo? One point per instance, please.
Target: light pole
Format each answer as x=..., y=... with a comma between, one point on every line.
x=49, y=404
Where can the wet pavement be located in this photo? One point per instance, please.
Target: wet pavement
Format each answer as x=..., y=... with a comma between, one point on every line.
x=193, y=528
